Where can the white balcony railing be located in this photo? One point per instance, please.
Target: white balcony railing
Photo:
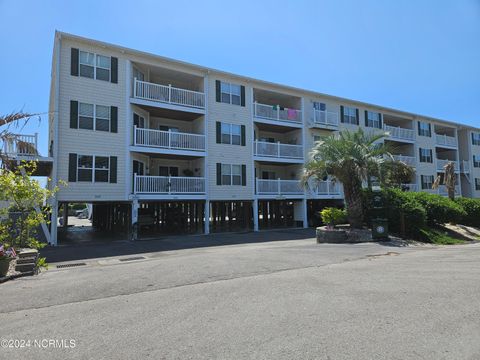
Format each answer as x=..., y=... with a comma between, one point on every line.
x=279, y=187
x=168, y=94
x=168, y=139
x=324, y=118
x=442, y=190
x=465, y=166
x=20, y=145
x=445, y=140
x=327, y=187
x=409, y=160
x=441, y=163
x=278, y=150
x=410, y=187
x=399, y=132
x=168, y=185
x=274, y=112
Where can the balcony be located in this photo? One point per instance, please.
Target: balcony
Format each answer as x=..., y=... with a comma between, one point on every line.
x=441, y=164
x=445, y=140
x=168, y=185
x=409, y=160
x=326, y=188
x=168, y=140
x=323, y=118
x=278, y=151
x=279, y=187
x=442, y=190
x=276, y=113
x=399, y=133
x=168, y=94
x=16, y=145
x=410, y=187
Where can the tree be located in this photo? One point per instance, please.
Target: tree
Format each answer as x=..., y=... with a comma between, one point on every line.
x=449, y=179
x=26, y=200
x=351, y=158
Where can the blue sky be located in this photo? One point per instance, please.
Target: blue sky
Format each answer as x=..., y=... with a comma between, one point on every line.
x=420, y=56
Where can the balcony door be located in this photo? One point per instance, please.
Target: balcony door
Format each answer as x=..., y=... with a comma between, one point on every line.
x=167, y=171
x=138, y=121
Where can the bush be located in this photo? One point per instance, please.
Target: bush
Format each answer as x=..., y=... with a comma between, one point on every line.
x=398, y=205
x=471, y=207
x=333, y=216
x=439, y=209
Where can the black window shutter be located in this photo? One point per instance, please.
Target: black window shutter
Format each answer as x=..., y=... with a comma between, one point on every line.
x=418, y=123
x=219, y=132
x=219, y=174
x=113, y=119
x=366, y=118
x=113, y=169
x=73, y=114
x=420, y=154
x=242, y=129
x=114, y=70
x=473, y=139
x=72, y=167
x=431, y=156
x=74, y=62
x=357, y=115
x=217, y=90
x=380, y=120
x=242, y=95
x=244, y=175
x=136, y=119
x=341, y=113
x=430, y=130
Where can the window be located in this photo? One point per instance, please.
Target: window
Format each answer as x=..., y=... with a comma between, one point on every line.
x=477, y=184
x=373, y=119
x=427, y=181
x=231, y=174
x=102, y=118
x=85, y=168
x=350, y=115
x=476, y=139
x=476, y=161
x=101, y=168
x=94, y=66
x=231, y=134
x=85, y=116
x=87, y=64
x=93, y=117
x=319, y=106
x=230, y=93
x=424, y=129
x=426, y=155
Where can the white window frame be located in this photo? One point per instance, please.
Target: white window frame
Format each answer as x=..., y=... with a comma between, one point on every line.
x=230, y=133
x=95, y=117
x=424, y=129
x=230, y=92
x=477, y=184
x=428, y=157
x=95, y=55
x=348, y=118
x=475, y=138
x=231, y=174
x=101, y=169
x=375, y=121
x=429, y=183
x=93, y=168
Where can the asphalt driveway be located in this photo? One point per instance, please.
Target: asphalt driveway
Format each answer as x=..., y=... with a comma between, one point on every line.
x=292, y=299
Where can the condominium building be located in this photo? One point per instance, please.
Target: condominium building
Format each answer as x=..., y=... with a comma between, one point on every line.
x=163, y=146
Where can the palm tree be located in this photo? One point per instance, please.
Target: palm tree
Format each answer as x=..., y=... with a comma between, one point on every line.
x=449, y=179
x=351, y=158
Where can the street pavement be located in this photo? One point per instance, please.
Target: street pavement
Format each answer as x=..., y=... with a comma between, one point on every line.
x=261, y=300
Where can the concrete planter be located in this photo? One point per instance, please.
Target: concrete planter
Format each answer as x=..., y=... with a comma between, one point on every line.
x=4, y=266
x=333, y=236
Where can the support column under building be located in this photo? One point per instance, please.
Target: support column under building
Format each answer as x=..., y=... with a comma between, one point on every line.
x=206, y=223
x=135, y=207
x=255, y=215
x=53, y=223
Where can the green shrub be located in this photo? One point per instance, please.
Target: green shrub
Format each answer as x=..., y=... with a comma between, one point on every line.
x=472, y=211
x=333, y=216
x=435, y=236
x=439, y=209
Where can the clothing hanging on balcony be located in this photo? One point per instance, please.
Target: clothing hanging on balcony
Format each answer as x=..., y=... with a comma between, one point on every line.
x=291, y=114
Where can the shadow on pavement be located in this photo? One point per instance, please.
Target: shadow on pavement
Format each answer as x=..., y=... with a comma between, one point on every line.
x=97, y=245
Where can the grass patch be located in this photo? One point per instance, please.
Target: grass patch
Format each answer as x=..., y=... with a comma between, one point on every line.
x=438, y=237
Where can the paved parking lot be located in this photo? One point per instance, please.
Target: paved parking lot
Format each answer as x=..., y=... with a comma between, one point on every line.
x=290, y=299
